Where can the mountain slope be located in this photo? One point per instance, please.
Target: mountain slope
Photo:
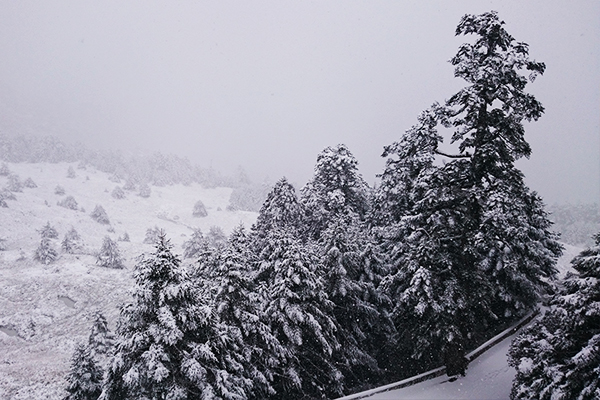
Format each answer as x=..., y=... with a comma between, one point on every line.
x=46, y=309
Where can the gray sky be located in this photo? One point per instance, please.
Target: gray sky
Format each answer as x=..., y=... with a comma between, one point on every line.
x=269, y=84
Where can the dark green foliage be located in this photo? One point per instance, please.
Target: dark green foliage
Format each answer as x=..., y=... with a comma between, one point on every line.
x=351, y=271
x=299, y=313
x=239, y=304
x=281, y=211
x=469, y=242
x=558, y=356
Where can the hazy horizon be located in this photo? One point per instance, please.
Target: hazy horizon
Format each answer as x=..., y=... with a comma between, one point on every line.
x=268, y=85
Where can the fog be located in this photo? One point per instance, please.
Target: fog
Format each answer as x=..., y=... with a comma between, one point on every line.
x=267, y=85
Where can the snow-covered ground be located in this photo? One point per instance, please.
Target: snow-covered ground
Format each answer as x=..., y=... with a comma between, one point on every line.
x=46, y=309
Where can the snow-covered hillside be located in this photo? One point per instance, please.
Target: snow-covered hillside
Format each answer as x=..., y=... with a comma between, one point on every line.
x=46, y=309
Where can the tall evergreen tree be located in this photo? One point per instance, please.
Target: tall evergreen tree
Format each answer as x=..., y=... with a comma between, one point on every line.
x=299, y=313
x=470, y=242
x=280, y=211
x=336, y=188
x=170, y=344
x=558, y=356
x=239, y=304
x=351, y=270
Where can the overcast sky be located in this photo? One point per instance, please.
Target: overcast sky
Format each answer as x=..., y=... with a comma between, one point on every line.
x=268, y=84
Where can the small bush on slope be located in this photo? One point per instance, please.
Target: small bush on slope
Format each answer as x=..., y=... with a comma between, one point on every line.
x=68, y=202
x=109, y=255
x=45, y=253
x=71, y=242
x=48, y=231
x=99, y=215
x=59, y=190
x=14, y=183
x=29, y=183
x=199, y=209
x=118, y=193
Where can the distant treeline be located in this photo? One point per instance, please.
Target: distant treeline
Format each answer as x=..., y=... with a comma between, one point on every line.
x=156, y=169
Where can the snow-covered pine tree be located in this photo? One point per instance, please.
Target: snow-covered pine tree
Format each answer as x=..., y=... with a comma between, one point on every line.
x=29, y=183
x=68, y=202
x=196, y=245
x=71, y=242
x=85, y=377
x=109, y=255
x=14, y=183
x=558, y=356
x=117, y=193
x=199, y=209
x=144, y=190
x=299, y=313
x=336, y=188
x=280, y=211
x=59, y=190
x=99, y=215
x=71, y=172
x=101, y=339
x=470, y=242
x=48, y=231
x=170, y=344
x=351, y=269
x=45, y=253
x=239, y=305
x=153, y=235
x=216, y=237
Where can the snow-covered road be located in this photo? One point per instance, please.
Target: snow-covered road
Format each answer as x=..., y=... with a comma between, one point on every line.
x=488, y=377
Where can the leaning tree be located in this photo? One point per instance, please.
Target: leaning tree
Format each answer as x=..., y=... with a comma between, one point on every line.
x=470, y=241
